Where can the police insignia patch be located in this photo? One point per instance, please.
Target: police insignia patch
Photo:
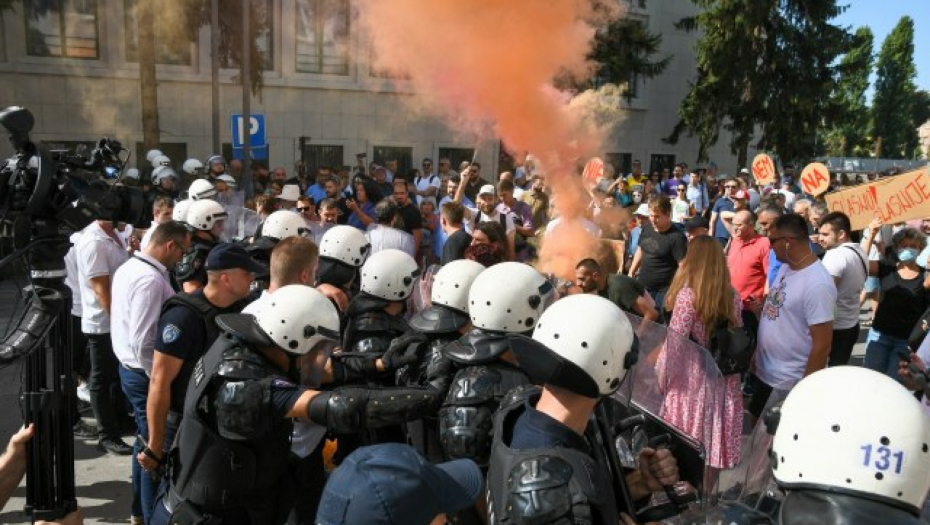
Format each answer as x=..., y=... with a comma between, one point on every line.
x=170, y=334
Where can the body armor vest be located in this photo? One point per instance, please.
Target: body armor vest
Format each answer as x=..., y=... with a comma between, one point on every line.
x=541, y=486
x=192, y=266
x=230, y=454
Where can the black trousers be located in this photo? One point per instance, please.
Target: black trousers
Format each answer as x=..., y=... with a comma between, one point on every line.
x=843, y=342
x=309, y=478
x=106, y=392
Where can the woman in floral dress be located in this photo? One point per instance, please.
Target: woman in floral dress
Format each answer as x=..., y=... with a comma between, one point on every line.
x=696, y=399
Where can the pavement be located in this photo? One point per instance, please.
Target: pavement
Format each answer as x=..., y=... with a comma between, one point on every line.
x=103, y=481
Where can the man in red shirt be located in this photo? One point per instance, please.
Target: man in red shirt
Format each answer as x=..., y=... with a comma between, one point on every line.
x=748, y=261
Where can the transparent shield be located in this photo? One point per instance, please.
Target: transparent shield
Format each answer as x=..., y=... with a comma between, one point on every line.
x=420, y=299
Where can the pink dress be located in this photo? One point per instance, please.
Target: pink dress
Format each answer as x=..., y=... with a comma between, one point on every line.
x=709, y=411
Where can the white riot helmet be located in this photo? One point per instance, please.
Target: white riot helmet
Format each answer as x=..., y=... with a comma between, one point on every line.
x=851, y=429
x=161, y=160
x=345, y=244
x=132, y=173
x=179, y=214
x=201, y=189
x=161, y=173
x=296, y=318
x=390, y=274
x=509, y=297
x=283, y=224
x=580, y=343
x=150, y=156
x=192, y=167
x=452, y=283
x=204, y=214
x=449, y=297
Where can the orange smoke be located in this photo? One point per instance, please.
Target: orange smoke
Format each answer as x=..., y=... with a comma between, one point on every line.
x=494, y=61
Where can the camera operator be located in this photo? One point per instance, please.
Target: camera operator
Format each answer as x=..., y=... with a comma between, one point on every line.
x=99, y=253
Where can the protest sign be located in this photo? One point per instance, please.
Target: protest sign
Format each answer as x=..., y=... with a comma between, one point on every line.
x=893, y=199
x=763, y=169
x=815, y=179
x=593, y=170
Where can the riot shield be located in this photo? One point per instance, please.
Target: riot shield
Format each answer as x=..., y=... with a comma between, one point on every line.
x=420, y=298
x=244, y=224
x=676, y=397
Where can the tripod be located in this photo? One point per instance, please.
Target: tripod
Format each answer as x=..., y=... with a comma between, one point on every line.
x=44, y=336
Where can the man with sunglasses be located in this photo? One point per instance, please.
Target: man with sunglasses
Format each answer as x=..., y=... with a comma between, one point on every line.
x=140, y=288
x=796, y=319
x=427, y=183
x=724, y=203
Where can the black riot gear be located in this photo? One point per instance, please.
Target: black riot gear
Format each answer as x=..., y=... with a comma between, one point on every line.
x=192, y=266
x=542, y=486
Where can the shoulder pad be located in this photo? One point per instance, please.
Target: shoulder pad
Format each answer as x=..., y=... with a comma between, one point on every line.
x=240, y=364
x=477, y=346
x=518, y=395
x=474, y=385
x=363, y=303
x=438, y=320
x=380, y=321
x=538, y=490
x=260, y=250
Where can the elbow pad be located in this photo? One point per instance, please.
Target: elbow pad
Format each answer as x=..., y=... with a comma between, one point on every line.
x=348, y=410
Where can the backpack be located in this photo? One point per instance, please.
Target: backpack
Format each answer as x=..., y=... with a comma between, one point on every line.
x=731, y=348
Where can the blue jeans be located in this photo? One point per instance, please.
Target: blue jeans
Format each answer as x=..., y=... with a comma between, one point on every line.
x=658, y=296
x=884, y=352
x=136, y=387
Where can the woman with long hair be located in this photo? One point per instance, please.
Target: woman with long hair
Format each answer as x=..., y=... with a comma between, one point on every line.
x=492, y=235
x=702, y=299
x=366, y=195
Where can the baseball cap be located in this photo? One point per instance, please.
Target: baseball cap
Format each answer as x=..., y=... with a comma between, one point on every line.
x=487, y=189
x=744, y=170
x=227, y=256
x=696, y=222
x=642, y=210
x=741, y=194
x=392, y=484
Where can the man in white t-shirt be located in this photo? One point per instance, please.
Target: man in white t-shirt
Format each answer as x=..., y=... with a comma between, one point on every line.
x=427, y=183
x=486, y=211
x=848, y=265
x=796, y=320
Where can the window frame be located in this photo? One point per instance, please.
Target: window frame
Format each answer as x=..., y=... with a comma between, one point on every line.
x=29, y=19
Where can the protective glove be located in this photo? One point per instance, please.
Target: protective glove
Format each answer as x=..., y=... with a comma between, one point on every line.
x=404, y=350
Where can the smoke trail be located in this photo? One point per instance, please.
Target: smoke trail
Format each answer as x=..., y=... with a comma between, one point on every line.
x=489, y=66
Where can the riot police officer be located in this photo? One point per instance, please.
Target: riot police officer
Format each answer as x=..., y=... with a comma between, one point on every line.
x=851, y=447
x=444, y=321
x=278, y=226
x=206, y=218
x=229, y=461
x=506, y=298
x=343, y=251
x=547, y=464
x=201, y=189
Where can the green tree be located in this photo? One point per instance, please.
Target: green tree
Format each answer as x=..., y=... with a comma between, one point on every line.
x=765, y=70
x=892, y=116
x=625, y=52
x=848, y=124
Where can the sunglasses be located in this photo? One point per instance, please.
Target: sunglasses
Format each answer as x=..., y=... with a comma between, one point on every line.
x=305, y=208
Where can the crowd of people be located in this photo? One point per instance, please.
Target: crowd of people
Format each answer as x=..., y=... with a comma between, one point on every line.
x=289, y=352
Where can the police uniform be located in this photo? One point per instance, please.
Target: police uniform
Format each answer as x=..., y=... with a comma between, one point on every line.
x=186, y=329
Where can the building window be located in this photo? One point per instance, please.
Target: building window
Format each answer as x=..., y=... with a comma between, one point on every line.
x=316, y=156
x=172, y=45
x=62, y=28
x=323, y=36
x=661, y=162
x=622, y=162
x=456, y=156
x=403, y=156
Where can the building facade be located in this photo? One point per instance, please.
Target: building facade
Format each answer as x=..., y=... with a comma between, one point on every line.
x=74, y=64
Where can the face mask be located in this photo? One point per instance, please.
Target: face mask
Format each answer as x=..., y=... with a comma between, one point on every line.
x=907, y=255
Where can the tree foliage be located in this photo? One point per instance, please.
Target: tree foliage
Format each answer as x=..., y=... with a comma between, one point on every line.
x=625, y=52
x=765, y=71
x=892, y=107
x=848, y=125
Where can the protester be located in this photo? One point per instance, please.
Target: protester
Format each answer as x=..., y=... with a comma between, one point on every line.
x=367, y=194
x=796, y=320
x=457, y=239
x=748, y=261
x=623, y=291
x=847, y=263
x=905, y=291
x=662, y=249
x=384, y=234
